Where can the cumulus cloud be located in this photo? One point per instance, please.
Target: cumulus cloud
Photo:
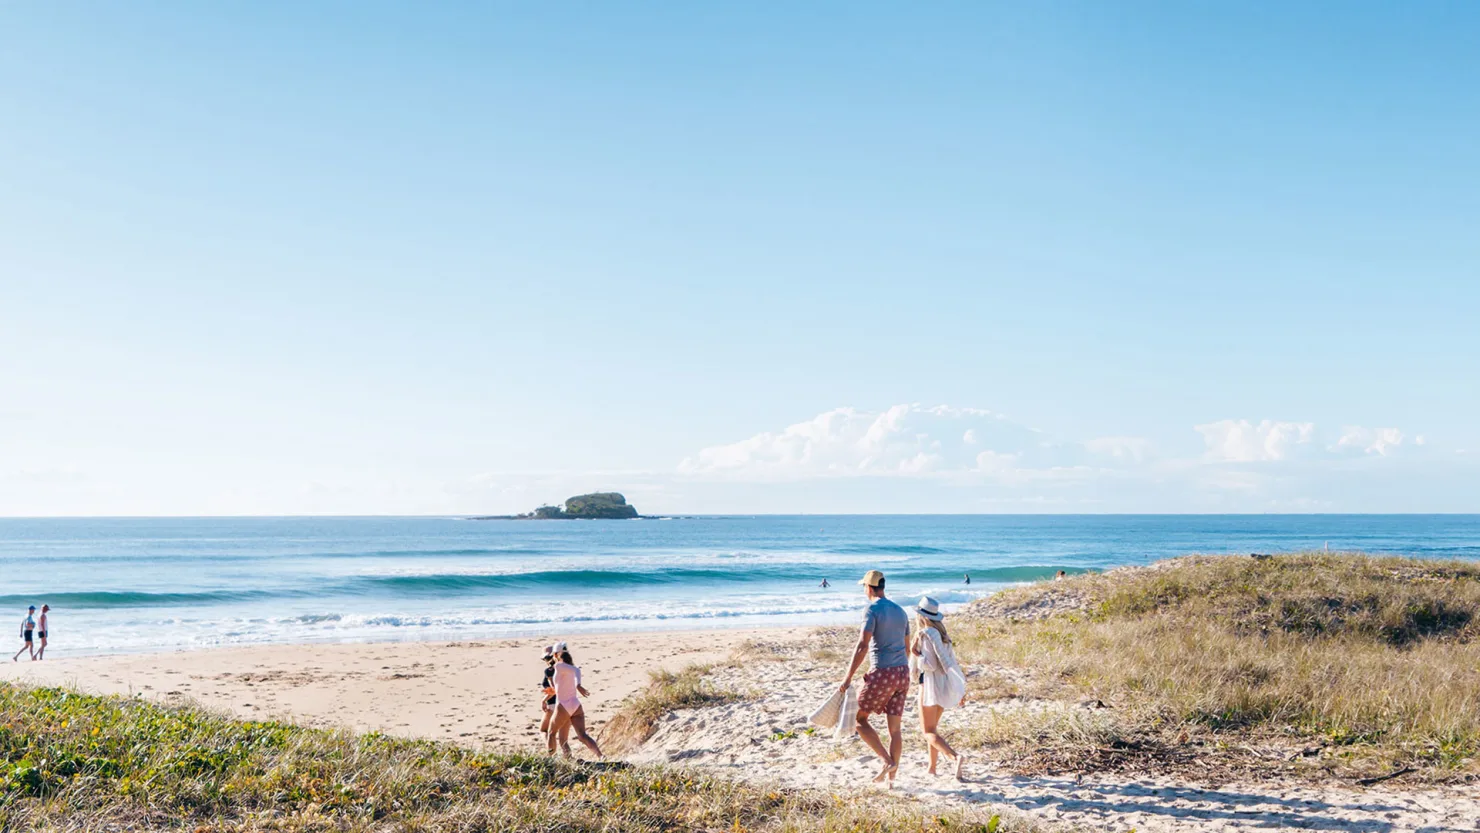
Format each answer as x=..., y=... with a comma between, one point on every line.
x=1380, y=441
x=1239, y=440
x=1243, y=464
x=905, y=440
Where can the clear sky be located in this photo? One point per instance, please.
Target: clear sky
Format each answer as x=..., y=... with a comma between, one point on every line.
x=335, y=257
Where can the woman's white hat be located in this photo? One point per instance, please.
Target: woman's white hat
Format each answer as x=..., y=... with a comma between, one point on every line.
x=929, y=608
x=559, y=647
x=549, y=650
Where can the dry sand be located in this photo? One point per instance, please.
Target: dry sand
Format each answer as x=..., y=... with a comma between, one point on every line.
x=470, y=692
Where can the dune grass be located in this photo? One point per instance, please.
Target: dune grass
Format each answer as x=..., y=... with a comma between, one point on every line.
x=1356, y=662
x=666, y=692
x=82, y=763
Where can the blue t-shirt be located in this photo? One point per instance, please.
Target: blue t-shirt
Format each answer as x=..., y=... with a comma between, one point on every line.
x=891, y=629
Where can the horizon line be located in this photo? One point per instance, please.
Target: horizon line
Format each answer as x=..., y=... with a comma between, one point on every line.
x=703, y=515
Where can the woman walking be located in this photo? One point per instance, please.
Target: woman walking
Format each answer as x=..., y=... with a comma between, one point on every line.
x=568, y=712
x=41, y=632
x=942, y=684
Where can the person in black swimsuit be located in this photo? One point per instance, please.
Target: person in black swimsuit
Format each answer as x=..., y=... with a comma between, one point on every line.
x=547, y=690
x=28, y=625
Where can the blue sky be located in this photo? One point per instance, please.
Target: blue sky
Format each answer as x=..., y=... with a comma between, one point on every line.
x=386, y=258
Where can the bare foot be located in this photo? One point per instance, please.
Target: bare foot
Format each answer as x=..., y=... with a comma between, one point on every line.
x=960, y=767
x=932, y=769
x=887, y=773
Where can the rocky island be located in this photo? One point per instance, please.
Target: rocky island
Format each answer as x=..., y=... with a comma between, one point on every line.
x=597, y=505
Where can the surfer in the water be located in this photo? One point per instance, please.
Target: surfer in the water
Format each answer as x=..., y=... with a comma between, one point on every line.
x=968, y=578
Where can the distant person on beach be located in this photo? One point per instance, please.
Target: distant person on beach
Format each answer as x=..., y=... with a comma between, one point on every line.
x=1059, y=575
x=942, y=683
x=884, y=639
x=28, y=626
x=547, y=690
x=824, y=584
x=568, y=712
x=41, y=632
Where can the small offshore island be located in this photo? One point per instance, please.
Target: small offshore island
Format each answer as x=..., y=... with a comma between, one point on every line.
x=595, y=506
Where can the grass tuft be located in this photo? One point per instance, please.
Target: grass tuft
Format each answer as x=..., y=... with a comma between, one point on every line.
x=667, y=691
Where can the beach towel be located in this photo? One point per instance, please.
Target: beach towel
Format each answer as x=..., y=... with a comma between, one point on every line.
x=848, y=717
x=826, y=715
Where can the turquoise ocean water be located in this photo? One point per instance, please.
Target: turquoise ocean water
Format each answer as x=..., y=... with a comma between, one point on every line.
x=123, y=585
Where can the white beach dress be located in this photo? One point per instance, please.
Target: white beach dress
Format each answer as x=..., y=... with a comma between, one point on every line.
x=944, y=684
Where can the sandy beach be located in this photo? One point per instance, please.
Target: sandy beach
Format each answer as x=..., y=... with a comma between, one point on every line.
x=481, y=692
x=478, y=693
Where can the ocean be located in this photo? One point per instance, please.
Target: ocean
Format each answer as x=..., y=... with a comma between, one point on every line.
x=126, y=585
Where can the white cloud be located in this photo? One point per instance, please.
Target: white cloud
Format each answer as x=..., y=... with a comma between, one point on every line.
x=1381, y=441
x=1238, y=440
x=951, y=459
x=909, y=440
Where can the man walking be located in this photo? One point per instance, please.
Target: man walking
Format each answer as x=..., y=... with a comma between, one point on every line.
x=884, y=637
x=28, y=625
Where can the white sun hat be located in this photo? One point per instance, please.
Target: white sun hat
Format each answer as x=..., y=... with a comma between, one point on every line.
x=929, y=608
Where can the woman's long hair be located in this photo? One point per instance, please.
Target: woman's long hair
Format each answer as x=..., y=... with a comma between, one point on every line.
x=565, y=658
x=938, y=625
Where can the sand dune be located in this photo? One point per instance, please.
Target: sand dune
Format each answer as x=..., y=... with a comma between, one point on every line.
x=764, y=740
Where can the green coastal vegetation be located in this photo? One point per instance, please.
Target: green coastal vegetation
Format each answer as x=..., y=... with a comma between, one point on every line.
x=1330, y=664
x=83, y=763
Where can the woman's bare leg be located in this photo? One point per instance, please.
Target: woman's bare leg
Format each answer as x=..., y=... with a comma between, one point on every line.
x=925, y=730
x=578, y=720
x=545, y=720
x=41, y=654
x=930, y=725
x=558, y=727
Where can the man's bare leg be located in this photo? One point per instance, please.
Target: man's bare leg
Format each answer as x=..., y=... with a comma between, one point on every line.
x=871, y=739
x=896, y=743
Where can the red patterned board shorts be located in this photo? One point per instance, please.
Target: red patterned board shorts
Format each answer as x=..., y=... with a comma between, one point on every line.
x=884, y=690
